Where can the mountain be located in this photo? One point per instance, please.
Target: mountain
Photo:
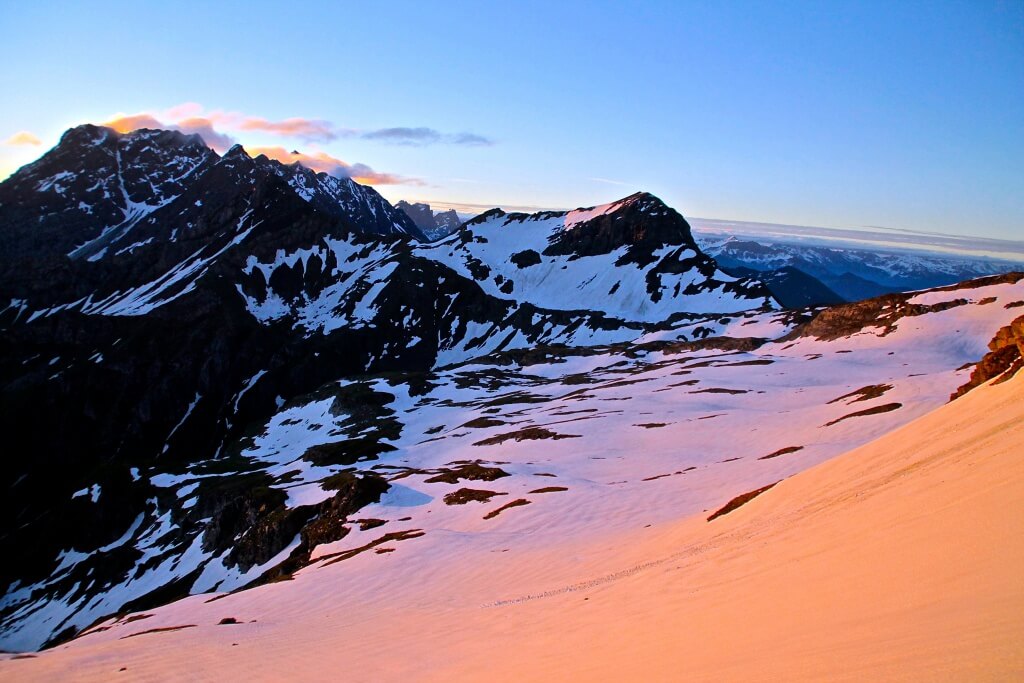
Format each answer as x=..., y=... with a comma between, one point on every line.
x=163, y=304
x=852, y=273
x=792, y=287
x=447, y=221
x=100, y=193
x=433, y=225
x=634, y=259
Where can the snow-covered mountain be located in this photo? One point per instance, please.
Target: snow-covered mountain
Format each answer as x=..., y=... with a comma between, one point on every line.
x=633, y=259
x=907, y=544
x=102, y=193
x=850, y=271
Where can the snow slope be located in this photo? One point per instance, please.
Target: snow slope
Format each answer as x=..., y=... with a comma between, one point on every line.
x=899, y=560
x=633, y=259
x=598, y=442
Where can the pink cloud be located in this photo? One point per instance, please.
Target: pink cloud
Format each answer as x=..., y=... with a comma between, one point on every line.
x=195, y=125
x=191, y=118
x=23, y=138
x=185, y=110
x=322, y=162
x=204, y=127
x=304, y=129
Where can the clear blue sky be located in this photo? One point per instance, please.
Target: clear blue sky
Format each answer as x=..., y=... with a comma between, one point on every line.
x=898, y=114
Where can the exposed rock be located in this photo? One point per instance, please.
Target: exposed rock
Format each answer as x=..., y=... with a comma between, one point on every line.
x=738, y=501
x=464, y=495
x=525, y=434
x=526, y=258
x=473, y=471
x=1004, y=359
x=515, y=503
x=874, y=410
x=433, y=226
x=864, y=393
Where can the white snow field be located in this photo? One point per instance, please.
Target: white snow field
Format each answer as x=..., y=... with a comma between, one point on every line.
x=899, y=560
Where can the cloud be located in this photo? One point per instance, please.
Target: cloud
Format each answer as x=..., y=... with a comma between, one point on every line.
x=311, y=130
x=609, y=181
x=404, y=136
x=23, y=138
x=123, y=123
x=424, y=136
x=322, y=162
x=467, y=207
x=190, y=117
x=216, y=128
x=471, y=140
x=204, y=128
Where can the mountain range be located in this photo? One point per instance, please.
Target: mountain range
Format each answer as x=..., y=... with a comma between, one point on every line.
x=220, y=372
x=844, y=268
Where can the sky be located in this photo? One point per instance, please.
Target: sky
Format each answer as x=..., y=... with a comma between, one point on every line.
x=901, y=115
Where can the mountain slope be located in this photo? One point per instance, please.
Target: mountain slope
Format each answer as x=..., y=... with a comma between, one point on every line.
x=894, y=560
x=791, y=287
x=619, y=435
x=633, y=259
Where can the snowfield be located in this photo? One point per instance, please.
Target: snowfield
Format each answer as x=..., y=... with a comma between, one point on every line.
x=899, y=559
x=520, y=454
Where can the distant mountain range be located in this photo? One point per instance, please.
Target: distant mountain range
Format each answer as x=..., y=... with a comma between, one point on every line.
x=846, y=263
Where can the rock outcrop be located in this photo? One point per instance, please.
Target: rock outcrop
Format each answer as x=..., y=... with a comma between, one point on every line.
x=1004, y=359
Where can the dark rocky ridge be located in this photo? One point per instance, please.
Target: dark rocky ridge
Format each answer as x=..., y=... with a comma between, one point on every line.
x=641, y=222
x=792, y=287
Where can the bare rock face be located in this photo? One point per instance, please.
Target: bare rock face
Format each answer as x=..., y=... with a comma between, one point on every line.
x=433, y=226
x=447, y=221
x=641, y=222
x=1004, y=359
x=420, y=214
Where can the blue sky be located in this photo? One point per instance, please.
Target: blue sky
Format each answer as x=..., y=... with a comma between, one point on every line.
x=896, y=114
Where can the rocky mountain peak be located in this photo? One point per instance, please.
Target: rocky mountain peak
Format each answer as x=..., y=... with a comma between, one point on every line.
x=433, y=226
x=86, y=134
x=640, y=222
